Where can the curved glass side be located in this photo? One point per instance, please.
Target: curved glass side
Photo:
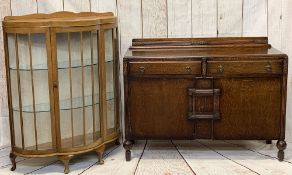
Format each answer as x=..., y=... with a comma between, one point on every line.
x=110, y=81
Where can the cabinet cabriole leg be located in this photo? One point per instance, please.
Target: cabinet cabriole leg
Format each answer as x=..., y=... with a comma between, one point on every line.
x=281, y=145
x=117, y=142
x=268, y=142
x=66, y=159
x=128, y=144
x=100, y=152
x=13, y=162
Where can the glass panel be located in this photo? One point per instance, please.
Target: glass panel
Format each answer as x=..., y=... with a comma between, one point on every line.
x=33, y=87
x=110, y=96
x=44, y=132
x=17, y=129
x=76, y=92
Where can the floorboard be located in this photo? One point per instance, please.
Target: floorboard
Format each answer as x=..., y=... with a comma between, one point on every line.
x=161, y=157
x=203, y=157
x=257, y=162
x=116, y=164
x=206, y=161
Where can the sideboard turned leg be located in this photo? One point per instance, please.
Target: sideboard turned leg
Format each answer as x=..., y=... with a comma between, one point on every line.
x=66, y=159
x=12, y=159
x=268, y=142
x=100, y=152
x=281, y=145
x=128, y=144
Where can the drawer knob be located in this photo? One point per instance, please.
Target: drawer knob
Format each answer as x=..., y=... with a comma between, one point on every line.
x=188, y=69
x=220, y=68
x=142, y=69
x=268, y=68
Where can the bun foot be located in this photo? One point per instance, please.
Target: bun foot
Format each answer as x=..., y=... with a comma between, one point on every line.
x=128, y=144
x=13, y=162
x=281, y=145
x=128, y=155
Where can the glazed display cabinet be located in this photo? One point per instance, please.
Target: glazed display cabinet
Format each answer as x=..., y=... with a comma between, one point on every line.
x=63, y=92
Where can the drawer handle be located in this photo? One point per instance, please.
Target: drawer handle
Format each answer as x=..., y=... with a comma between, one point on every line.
x=188, y=69
x=142, y=69
x=268, y=68
x=220, y=68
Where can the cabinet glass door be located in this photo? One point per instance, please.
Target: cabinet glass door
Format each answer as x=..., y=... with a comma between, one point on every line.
x=28, y=75
x=110, y=71
x=77, y=59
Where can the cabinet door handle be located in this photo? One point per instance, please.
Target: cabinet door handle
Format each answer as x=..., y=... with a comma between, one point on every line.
x=188, y=69
x=142, y=69
x=268, y=68
x=221, y=68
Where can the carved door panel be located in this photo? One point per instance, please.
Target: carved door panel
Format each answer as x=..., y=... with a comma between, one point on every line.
x=204, y=107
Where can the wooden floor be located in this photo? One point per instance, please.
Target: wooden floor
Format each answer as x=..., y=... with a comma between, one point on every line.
x=201, y=157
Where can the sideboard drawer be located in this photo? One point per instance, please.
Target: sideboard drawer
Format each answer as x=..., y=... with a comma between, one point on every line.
x=244, y=67
x=168, y=68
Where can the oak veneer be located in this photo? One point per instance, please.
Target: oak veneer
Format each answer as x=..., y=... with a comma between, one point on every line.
x=205, y=88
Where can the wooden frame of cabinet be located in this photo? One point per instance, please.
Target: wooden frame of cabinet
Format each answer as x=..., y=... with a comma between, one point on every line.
x=74, y=50
x=231, y=88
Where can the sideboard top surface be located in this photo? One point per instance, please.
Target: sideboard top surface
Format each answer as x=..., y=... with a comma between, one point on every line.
x=172, y=48
x=60, y=19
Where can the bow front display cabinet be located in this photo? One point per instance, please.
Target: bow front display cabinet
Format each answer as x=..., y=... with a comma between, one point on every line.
x=62, y=81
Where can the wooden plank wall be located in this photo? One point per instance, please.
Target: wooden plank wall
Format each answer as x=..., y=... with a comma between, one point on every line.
x=171, y=18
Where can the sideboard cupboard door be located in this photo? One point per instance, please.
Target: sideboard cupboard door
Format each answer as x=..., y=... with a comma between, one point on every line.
x=157, y=108
x=251, y=104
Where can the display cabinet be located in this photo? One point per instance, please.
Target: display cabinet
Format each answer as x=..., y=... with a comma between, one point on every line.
x=62, y=76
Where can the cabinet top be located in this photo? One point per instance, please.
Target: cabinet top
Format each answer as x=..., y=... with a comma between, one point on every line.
x=60, y=19
x=172, y=48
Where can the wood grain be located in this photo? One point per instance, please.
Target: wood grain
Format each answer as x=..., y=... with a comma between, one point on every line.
x=130, y=22
x=256, y=162
x=45, y=6
x=200, y=158
x=23, y=7
x=154, y=14
x=116, y=164
x=4, y=10
x=160, y=157
x=204, y=18
x=255, y=18
x=77, y=5
x=275, y=23
x=179, y=18
x=229, y=18
x=107, y=6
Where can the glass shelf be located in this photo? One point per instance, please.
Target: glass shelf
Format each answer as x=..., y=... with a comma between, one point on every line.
x=66, y=104
x=61, y=65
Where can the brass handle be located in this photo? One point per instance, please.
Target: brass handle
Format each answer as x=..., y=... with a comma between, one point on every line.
x=188, y=69
x=142, y=69
x=220, y=68
x=268, y=68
